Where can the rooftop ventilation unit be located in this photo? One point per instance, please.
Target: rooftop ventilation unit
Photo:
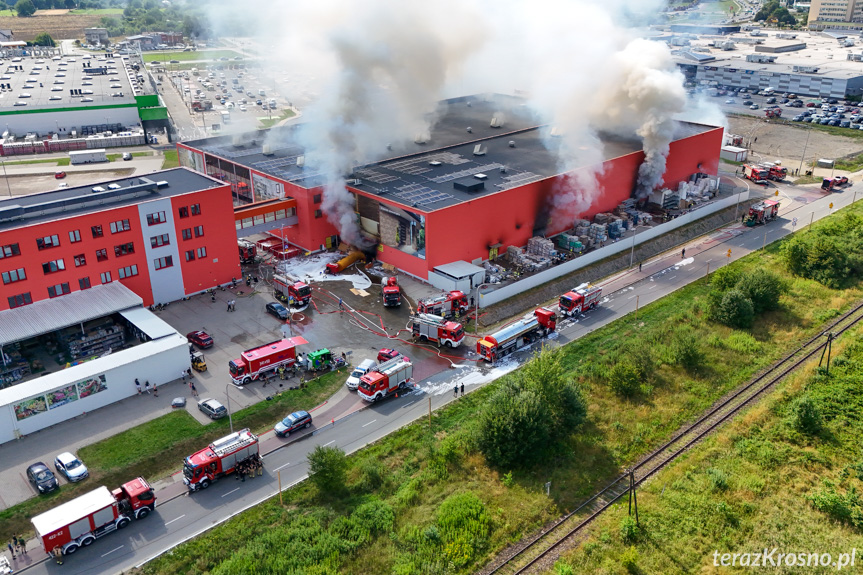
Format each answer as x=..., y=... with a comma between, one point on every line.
x=480, y=176
x=478, y=150
x=268, y=150
x=512, y=143
x=237, y=140
x=354, y=182
x=435, y=163
x=469, y=130
x=496, y=122
x=301, y=161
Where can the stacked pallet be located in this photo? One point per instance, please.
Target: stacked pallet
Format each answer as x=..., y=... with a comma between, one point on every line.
x=569, y=243
x=598, y=232
x=514, y=254
x=540, y=247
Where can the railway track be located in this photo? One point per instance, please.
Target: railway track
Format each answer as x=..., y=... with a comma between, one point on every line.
x=541, y=551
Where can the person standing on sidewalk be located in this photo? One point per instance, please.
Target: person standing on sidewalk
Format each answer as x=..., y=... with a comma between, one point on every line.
x=138, y=387
x=639, y=267
x=683, y=253
x=11, y=549
x=194, y=391
x=22, y=546
x=147, y=386
x=155, y=391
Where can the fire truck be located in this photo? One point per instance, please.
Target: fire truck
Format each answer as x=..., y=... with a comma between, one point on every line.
x=386, y=379
x=391, y=293
x=775, y=172
x=202, y=105
x=763, y=212
x=79, y=522
x=579, y=300
x=437, y=329
x=773, y=112
x=253, y=363
x=248, y=251
x=757, y=174
x=517, y=335
x=218, y=459
x=445, y=305
x=285, y=290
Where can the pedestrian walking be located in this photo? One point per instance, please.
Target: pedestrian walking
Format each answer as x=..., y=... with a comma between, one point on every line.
x=155, y=391
x=683, y=253
x=183, y=375
x=58, y=554
x=11, y=549
x=194, y=391
x=233, y=305
x=229, y=306
x=147, y=386
x=462, y=390
x=340, y=303
x=455, y=391
x=138, y=387
x=756, y=140
x=639, y=267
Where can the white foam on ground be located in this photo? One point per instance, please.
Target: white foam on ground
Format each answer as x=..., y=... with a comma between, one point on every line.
x=685, y=262
x=313, y=269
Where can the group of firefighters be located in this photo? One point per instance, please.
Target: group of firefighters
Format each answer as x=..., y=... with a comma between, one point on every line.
x=251, y=467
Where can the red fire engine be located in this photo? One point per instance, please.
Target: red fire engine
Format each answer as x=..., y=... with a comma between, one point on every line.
x=386, y=379
x=248, y=251
x=437, y=329
x=579, y=300
x=391, y=293
x=445, y=305
x=757, y=174
x=79, y=522
x=516, y=335
x=773, y=112
x=254, y=362
x=774, y=171
x=219, y=458
x=284, y=290
x=763, y=212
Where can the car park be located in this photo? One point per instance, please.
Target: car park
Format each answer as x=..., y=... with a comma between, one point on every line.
x=293, y=422
x=277, y=309
x=212, y=408
x=42, y=478
x=200, y=338
x=72, y=468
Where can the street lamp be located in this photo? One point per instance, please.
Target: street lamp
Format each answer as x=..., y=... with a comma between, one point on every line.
x=476, y=310
x=5, y=177
x=230, y=419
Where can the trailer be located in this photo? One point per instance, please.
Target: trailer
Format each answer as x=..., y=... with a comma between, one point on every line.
x=87, y=157
x=579, y=300
x=437, y=329
x=79, y=522
x=254, y=363
x=517, y=335
x=386, y=380
x=390, y=292
x=219, y=459
x=452, y=304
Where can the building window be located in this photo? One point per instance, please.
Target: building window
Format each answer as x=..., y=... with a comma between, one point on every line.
x=84, y=283
x=48, y=242
x=75, y=236
x=105, y=277
x=96, y=231
x=196, y=209
x=316, y=198
x=120, y=226
x=9, y=250
x=19, y=300
x=202, y=252
x=164, y=262
x=128, y=271
x=319, y=214
x=199, y=231
x=13, y=276
x=101, y=255
x=160, y=240
x=124, y=249
x=54, y=266
x=190, y=255
x=184, y=212
x=187, y=234
x=80, y=260
x=156, y=218
x=58, y=290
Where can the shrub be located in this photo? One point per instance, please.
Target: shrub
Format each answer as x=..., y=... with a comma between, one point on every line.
x=733, y=309
x=44, y=39
x=375, y=515
x=464, y=525
x=371, y=476
x=763, y=288
x=514, y=427
x=742, y=342
x=327, y=469
x=629, y=529
x=718, y=479
x=686, y=351
x=726, y=278
x=845, y=508
x=507, y=479
x=805, y=416
x=561, y=567
x=623, y=379
x=822, y=259
x=629, y=559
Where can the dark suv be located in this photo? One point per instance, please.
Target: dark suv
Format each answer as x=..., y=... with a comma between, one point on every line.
x=42, y=478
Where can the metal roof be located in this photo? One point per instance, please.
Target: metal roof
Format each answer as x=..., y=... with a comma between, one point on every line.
x=458, y=270
x=77, y=307
x=151, y=325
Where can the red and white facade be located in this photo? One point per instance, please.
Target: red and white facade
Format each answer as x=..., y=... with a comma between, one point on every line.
x=167, y=245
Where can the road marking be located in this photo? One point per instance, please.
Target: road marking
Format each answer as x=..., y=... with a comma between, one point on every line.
x=333, y=441
x=112, y=550
x=672, y=277
x=281, y=466
x=409, y=403
x=369, y=423
x=177, y=519
x=229, y=492
x=630, y=297
x=651, y=287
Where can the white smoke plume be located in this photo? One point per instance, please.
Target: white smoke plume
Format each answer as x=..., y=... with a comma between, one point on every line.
x=374, y=71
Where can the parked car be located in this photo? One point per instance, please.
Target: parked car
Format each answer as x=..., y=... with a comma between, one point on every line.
x=212, y=408
x=42, y=478
x=387, y=354
x=200, y=338
x=748, y=102
x=277, y=309
x=293, y=422
x=770, y=100
x=363, y=368
x=71, y=467
x=243, y=108
x=127, y=156
x=59, y=175
x=840, y=180
x=753, y=107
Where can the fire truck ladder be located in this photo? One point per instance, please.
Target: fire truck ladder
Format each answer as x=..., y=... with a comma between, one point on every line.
x=242, y=438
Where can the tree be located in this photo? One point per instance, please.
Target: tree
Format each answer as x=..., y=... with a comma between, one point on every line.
x=763, y=288
x=25, y=8
x=545, y=375
x=44, y=39
x=69, y=4
x=733, y=309
x=328, y=468
x=623, y=378
x=514, y=427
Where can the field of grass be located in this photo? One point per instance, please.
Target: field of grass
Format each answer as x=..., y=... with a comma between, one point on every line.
x=761, y=483
x=850, y=164
x=57, y=23
x=156, y=449
x=97, y=11
x=165, y=57
x=172, y=159
x=270, y=122
x=417, y=476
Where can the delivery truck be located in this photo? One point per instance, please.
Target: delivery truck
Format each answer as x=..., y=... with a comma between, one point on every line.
x=79, y=157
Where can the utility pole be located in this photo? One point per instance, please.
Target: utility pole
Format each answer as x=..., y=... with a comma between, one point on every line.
x=802, y=156
x=828, y=349
x=633, y=498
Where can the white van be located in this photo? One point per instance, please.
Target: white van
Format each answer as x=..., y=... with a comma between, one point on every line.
x=226, y=117
x=363, y=368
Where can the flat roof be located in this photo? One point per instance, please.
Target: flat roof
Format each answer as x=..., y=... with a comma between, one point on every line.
x=424, y=175
x=58, y=517
x=19, y=211
x=145, y=320
x=821, y=51
x=60, y=74
x=459, y=269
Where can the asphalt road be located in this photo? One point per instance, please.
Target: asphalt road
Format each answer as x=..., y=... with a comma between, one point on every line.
x=184, y=517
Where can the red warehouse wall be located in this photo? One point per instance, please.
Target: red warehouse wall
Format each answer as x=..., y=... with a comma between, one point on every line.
x=310, y=232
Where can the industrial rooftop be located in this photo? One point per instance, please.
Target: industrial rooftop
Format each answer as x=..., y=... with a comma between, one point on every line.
x=479, y=145
x=46, y=82
x=46, y=206
x=824, y=51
